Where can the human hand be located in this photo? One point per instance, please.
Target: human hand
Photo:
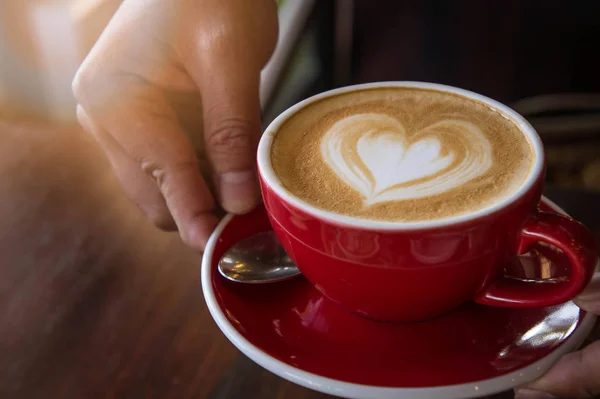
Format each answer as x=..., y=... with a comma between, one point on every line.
x=167, y=81
x=577, y=374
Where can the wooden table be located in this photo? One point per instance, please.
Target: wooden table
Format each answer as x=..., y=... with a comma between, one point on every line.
x=97, y=303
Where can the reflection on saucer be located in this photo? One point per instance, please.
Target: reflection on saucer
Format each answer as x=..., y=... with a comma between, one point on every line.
x=548, y=333
x=311, y=317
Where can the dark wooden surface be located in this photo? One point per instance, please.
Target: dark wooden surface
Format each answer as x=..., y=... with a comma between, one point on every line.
x=97, y=303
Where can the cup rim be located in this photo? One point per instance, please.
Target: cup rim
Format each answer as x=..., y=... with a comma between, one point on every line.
x=269, y=177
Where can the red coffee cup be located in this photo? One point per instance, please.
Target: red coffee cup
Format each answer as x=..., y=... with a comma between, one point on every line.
x=397, y=271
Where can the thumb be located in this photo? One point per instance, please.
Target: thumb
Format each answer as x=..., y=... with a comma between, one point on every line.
x=231, y=112
x=575, y=375
x=225, y=58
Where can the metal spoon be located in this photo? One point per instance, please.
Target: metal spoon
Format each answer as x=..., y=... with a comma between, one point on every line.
x=257, y=259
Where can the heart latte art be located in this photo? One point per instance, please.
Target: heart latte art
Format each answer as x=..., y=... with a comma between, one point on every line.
x=400, y=154
x=374, y=154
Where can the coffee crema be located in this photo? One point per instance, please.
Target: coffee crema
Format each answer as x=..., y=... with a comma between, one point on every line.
x=400, y=154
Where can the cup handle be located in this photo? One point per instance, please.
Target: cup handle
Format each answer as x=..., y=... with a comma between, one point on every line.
x=566, y=234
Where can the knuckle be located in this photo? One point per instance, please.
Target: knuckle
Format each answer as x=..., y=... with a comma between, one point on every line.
x=153, y=170
x=83, y=119
x=146, y=196
x=81, y=84
x=231, y=136
x=100, y=87
x=163, y=174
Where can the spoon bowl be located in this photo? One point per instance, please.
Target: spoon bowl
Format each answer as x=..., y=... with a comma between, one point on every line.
x=258, y=259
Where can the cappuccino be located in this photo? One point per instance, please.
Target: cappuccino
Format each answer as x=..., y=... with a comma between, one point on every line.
x=400, y=154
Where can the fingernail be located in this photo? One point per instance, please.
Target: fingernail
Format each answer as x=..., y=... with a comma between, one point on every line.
x=239, y=191
x=532, y=394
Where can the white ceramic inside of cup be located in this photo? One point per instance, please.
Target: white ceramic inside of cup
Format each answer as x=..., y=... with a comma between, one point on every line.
x=265, y=168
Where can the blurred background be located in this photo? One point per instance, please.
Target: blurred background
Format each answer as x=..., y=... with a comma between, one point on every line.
x=539, y=57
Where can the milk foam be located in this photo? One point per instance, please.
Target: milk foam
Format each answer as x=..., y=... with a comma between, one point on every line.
x=374, y=155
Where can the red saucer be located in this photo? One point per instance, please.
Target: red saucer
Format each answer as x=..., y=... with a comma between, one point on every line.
x=292, y=330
